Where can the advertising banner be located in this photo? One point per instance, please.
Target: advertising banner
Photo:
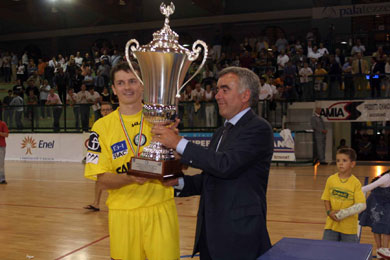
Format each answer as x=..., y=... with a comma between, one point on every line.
x=284, y=146
x=344, y=11
x=46, y=147
x=355, y=110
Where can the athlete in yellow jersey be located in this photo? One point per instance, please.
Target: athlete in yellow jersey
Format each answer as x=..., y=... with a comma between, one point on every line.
x=142, y=213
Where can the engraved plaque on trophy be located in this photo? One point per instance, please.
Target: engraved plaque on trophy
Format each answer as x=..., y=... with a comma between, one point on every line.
x=164, y=64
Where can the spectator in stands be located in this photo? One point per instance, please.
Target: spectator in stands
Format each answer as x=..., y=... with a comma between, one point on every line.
x=32, y=108
x=31, y=86
x=8, y=112
x=25, y=58
x=380, y=55
x=54, y=101
x=44, y=90
x=246, y=60
x=61, y=61
x=290, y=73
x=376, y=77
x=115, y=58
x=358, y=48
x=71, y=100
x=320, y=85
x=18, y=103
x=49, y=73
x=210, y=106
x=21, y=71
x=94, y=98
x=265, y=95
x=84, y=107
x=334, y=72
x=104, y=70
x=34, y=80
x=282, y=60
x=61, y=81
x=41, y=68
x=7, y=67
x=99, y=82
x=359, y=69
x=88, y=60
x=14, y=66
x=323, y=50
x=31, y=68
x=78, y=59
x=54, y=64
x=314, y=53
x=188, y=107
x=298, y=58
x=19, y=89
x=106, y=96
x=349, y=87
x=281, y=43
x=305, y=74
x=339, y=57
x=197, y=96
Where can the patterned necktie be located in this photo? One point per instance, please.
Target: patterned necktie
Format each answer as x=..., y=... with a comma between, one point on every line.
x=225, y=133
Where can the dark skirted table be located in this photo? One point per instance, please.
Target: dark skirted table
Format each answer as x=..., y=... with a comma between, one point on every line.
x=309, y=249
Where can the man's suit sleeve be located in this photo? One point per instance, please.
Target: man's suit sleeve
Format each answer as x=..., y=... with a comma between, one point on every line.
x=246, y=144
x=192, y=186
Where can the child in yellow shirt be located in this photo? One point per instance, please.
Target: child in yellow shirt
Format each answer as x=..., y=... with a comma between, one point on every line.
x=344, y=199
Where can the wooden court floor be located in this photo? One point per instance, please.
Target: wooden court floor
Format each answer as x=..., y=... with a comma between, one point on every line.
x=42, y=215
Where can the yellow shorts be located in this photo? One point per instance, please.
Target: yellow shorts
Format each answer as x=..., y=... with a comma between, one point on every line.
x=151, y=233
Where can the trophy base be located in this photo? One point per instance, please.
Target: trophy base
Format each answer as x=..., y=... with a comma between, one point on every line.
x=152, y=169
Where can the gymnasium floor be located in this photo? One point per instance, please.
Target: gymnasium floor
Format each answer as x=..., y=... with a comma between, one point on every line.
x=42, y=215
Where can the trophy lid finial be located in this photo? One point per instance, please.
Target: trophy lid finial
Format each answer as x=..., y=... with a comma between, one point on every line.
x=165, y=40
x=167, y=10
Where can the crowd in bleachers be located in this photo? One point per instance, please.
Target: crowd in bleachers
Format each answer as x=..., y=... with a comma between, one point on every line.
x=289, y=70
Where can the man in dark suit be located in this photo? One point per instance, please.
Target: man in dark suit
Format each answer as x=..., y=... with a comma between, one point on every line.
x=231, y=221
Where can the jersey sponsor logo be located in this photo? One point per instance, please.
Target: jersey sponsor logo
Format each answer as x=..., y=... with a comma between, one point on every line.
x=93, y=143
x=143, y=139
x=135, y=124
x=340, y=194
x=119, y=149
x=123, y=169
x=92, y=158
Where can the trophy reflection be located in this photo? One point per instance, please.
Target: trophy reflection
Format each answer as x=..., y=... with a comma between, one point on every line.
x=164, y=64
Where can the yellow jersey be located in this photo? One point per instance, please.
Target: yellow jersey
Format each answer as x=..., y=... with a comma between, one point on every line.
x=343, y=194
x=109, y=151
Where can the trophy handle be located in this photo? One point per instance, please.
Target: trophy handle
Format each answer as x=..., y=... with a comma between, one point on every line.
x=134, y=45
x=193, y=56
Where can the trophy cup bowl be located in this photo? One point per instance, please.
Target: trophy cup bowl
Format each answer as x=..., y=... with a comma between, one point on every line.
x=164, y=64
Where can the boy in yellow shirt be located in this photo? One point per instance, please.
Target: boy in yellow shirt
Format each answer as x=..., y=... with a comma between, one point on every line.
x=344, y=199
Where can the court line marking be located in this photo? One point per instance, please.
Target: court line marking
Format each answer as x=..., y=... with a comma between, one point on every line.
x=80, y=248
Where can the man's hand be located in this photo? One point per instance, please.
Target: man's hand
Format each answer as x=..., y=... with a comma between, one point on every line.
x=168, y=136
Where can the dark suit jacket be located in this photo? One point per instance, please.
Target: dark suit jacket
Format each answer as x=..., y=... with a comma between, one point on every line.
x=233, y=188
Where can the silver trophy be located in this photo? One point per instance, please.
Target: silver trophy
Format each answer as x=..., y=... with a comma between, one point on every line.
x=164, y=64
